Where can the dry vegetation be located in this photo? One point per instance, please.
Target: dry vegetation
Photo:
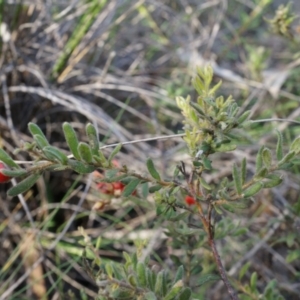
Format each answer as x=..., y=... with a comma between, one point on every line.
x=119, y=64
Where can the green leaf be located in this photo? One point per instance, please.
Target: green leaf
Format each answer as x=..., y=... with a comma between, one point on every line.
x=198, y=108
x=71, y=139
x=253, y=281
x=145, y=189
x=295, y=145
x=40, y=141
x=244, y=270
x=180, y=216
x=174, y=290
x=159, y=283
x=130, y=187
x=151, y=168
x=259, y=160
x=80, y=167
x=205, y=184
x=243, y=117
x=185, y=294
x=14, y=172
x=286, y=158
x=24, y=185
x=55, y=154
x=141, y=274
x=261, y=174
x=109, y=270
x=253, y=189
x=154, y=188
x=132, y=280
x=92, y=135
x=292, y=256
x=179, y=274
x=279, y=147
x=207, y=278
x=151, y=279
x=237, y=178
x=150, y=296
x=267, y=157
x=36, y=130
x=114, y=153
x=275, y=180
x=176, y=172
x=85, y=152
x=225, y=148
x=244, y=170
x=4, y=156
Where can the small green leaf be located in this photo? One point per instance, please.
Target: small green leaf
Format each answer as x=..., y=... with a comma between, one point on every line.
x=40, y=141
x=295, y=145
x=198, y=109
x=36, y=130
x=244, y=270
x=55, y=154
x=150, y=296
x=279, y=147
x=92, y=135
x=132, y=280
x=292, y=256
x=176, y=172
x=205, y=184
x=141, y=274
x=185, y=294
x=174, y=290
x=267, y=157
x=237, y=178
x=114, y=153
x=244, y=170
x=145, y=189
x=243, y=117
x=207, y=163
x=179, y=274
x=80, y=167
x=261, y=174
x=253, y=281
x=85, y=152
x=286, y=158
x=275, y=180
x=14, y=172
x=154, y=188
x=207, y=278
x=259, y=160
x=253, y=189
x=225, y=148
x=151, y=279
x=159, y=283
x=4, y=156
x=151, y=168
x=180, y=216
x=71, y=139
x=24, y=185
x=109, y=270
x=130, y=187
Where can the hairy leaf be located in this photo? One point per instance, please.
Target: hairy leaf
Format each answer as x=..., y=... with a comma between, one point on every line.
x=24, y=185
x=71, y=139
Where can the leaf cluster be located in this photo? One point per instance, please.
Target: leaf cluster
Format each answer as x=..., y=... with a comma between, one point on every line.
x=135, y=280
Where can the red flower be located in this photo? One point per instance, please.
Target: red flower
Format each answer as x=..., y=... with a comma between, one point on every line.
x=3, y=178
x=118, y=188
x=189, y=200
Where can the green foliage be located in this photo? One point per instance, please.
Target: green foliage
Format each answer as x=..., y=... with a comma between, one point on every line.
x=134, y=279
x=211, y=124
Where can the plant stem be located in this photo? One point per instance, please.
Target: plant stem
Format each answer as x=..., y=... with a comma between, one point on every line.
x=221, y=269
